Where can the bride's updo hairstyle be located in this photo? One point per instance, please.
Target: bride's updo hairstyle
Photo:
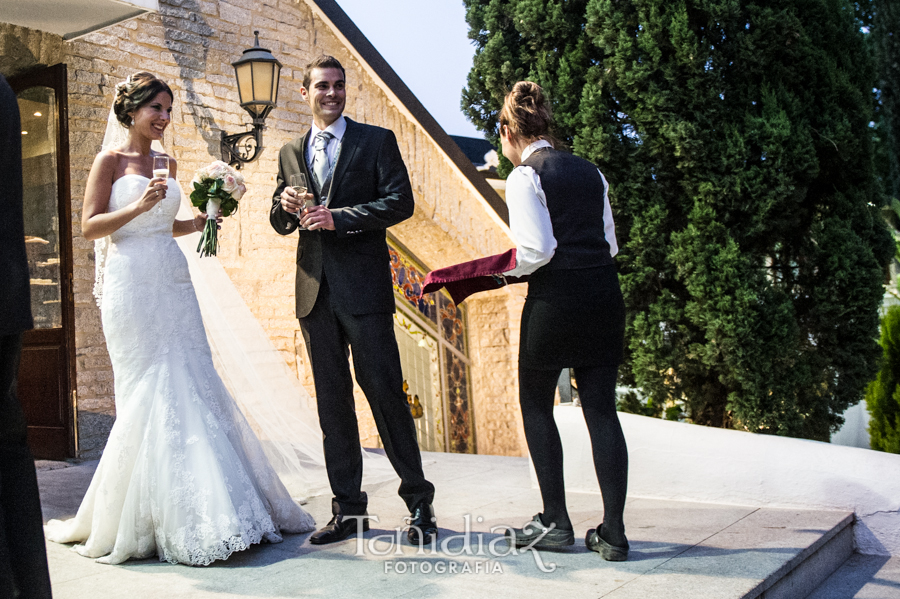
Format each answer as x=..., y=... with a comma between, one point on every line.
x=527, y=113
x=136, y=91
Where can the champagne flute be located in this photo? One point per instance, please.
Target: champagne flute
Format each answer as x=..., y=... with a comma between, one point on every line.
x=161, y=171
x=298, y=184
x=161, y=167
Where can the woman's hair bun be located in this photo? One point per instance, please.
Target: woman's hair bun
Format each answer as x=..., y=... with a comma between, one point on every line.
x=527, y=112
x=136, y=91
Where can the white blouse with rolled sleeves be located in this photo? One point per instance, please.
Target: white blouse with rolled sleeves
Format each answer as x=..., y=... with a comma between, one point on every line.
x=529, y=218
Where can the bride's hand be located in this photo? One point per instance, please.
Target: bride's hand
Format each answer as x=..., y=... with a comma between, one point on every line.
x=155, y=192
x=200, y=221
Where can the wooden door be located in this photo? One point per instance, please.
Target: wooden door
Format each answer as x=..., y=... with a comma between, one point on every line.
x=47, y=371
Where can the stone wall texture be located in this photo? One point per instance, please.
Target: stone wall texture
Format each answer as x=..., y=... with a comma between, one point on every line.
x=191, y=44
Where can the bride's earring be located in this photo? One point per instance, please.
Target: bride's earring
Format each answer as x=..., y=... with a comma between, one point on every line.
x=132, y=121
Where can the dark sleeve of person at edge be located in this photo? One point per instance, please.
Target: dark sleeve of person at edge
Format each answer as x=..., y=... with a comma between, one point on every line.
x=23, y=557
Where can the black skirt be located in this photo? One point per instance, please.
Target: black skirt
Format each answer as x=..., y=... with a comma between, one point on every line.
x=573, y=318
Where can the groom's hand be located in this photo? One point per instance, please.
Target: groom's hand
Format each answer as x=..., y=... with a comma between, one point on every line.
x=291, y=201
x=317, y=217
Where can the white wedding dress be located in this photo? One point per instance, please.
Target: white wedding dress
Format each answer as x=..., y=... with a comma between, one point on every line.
x=183, y=476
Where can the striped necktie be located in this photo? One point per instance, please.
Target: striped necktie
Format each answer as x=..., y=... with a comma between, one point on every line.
x=320, y=158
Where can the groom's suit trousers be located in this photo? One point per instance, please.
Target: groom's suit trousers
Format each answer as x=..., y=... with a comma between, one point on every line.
x=329, y=332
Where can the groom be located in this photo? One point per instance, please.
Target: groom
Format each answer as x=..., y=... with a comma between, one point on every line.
x=344, y=294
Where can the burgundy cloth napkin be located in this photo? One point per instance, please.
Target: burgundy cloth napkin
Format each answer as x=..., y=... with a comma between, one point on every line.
x=484, y=274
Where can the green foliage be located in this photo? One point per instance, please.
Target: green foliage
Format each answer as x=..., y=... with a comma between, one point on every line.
x=883, y=394
x=736, y=141
x=539, y=40
x=631, y=403
x=883, y=19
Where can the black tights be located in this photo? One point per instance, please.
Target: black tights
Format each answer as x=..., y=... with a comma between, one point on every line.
x=597, y=390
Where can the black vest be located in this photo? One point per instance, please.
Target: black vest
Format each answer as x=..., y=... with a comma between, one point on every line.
x=574, y=190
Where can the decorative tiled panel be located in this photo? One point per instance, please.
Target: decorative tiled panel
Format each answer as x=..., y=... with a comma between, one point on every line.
x=459, y=409
x=408, y=281
x=453, y=328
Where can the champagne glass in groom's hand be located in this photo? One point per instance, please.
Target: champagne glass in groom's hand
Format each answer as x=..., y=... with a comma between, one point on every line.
x=299, y=185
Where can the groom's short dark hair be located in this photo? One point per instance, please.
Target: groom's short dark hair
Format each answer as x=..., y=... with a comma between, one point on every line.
x=322, y=62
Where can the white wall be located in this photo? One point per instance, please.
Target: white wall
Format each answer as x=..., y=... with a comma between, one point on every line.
x=855, y=432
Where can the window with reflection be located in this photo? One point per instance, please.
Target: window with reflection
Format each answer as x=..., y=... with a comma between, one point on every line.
x=37, y=106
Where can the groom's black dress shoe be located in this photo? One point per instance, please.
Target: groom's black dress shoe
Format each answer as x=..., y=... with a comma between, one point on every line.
x=339, y=528
x=422, y=525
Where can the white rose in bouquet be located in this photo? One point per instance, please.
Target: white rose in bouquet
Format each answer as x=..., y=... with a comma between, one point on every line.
x=218, y=170
x=230, y=184
x=201, y=174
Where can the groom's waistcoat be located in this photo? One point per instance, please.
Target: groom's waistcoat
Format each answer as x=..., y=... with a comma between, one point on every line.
x=369, y=193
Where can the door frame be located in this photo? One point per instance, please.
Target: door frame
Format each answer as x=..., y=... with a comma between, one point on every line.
x=56, y=78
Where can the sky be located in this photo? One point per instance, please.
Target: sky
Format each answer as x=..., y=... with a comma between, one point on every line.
x=426, y=43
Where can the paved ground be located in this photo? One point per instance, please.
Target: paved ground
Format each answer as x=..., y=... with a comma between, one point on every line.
x=678, y=549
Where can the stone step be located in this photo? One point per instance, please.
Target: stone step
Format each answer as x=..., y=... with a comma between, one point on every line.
x=863, y=577
x=767, y=554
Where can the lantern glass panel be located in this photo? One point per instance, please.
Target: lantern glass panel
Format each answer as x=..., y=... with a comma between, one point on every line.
x=276, y=70
x=262, y=81
x=244, y=75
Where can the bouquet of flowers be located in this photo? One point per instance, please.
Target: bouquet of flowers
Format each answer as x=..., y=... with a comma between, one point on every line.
x=215, y=186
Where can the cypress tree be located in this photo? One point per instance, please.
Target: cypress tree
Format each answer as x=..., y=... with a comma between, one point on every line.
x=883, y=394
x=735, y=137
x=883, y=20
x=538, y=40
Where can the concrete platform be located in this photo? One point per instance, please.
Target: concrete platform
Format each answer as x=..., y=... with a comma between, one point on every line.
x=678, y=550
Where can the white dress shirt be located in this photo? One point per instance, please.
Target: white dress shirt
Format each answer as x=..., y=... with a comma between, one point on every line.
x=529, y=218
x=337, y=129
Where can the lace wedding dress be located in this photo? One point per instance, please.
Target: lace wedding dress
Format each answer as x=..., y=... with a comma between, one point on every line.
x=183, y=476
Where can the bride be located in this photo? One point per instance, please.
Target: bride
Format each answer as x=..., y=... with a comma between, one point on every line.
x=183, y=476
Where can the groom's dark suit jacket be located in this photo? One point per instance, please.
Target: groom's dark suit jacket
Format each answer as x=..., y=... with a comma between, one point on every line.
x=369, y=193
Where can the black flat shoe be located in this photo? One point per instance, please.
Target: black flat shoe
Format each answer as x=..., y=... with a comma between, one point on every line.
x=610, y=553
x=537, y=535
x=339, y=528
x=422, y=525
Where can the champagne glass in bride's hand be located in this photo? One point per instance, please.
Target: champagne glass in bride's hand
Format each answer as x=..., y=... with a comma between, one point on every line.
x=161, y=169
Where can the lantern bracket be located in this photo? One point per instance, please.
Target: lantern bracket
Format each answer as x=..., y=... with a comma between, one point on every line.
x=241, y=148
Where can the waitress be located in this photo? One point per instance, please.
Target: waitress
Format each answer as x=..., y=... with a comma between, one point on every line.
x=574, y=317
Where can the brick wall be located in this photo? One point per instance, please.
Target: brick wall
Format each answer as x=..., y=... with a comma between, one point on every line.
x=191, y=44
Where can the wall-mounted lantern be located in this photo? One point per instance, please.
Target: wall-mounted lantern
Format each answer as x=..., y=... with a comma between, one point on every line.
x=257, y=73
